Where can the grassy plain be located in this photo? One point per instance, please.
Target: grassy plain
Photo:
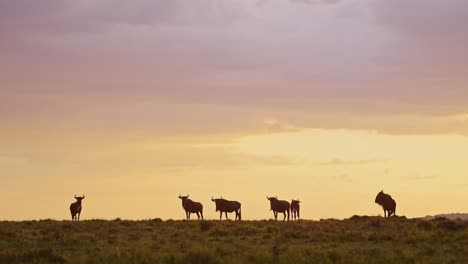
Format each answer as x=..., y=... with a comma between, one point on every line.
x=359, y=239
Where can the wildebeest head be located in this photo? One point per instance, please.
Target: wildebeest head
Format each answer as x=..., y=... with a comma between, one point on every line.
x=272, y=198
x=380, y=198
x=217, y=202
x=295, y=201
x=272, y=201
x=79, y=198
x=183, y=198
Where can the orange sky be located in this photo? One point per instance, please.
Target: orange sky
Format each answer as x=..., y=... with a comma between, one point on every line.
x=133, y=103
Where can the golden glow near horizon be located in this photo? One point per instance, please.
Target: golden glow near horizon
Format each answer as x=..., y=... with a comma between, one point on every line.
x=335, y=172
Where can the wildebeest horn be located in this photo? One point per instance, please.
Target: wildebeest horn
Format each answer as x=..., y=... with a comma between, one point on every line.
x=276, y=196
x=212, y=199
x=180, y=195
x=188, y=195
x=75, y=196
x=268, y=198
x=83, y=196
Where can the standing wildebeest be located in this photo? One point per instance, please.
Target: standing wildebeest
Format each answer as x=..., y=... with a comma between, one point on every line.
x=191, y=207
x=75, y=208
x=295, y=208
x=226, y=206
x=279, y=207
x=387, y=202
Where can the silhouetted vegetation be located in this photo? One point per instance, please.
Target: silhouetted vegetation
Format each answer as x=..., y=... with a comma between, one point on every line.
x=359, y=239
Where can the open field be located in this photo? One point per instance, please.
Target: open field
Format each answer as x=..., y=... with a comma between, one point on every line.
x=354, y=240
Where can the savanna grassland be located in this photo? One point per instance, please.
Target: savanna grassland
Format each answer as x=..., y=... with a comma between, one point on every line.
x=355, y=240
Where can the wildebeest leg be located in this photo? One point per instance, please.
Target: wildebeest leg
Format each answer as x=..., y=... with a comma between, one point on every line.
x=284, y=218
x=298, y=216
x=384, y=213
x=276, y=215
x=198, y=215
x=78, y=217
x=201, y=213
x=225, y=213
x=189, y=213
x=220, y=215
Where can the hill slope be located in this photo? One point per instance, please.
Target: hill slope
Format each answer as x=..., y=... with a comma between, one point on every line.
x=448, y=216
x=354, y=240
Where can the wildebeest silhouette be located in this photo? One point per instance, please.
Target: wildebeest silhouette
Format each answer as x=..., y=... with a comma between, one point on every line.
x=295, y=209
x=75, y=208
x=191, y=207
x=278, y=206
x=387, y=202
x=223, y=205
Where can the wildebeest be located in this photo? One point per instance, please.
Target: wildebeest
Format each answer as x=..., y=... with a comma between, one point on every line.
x=387, y=202
x=295, y=209
x=223, y=205
x=278, y=206
x=75, y=208
x=191, y=207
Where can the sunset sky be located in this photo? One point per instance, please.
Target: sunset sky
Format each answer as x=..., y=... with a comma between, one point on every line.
x=135, y=102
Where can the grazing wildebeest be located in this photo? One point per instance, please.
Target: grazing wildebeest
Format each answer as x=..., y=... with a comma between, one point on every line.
x=191, y=207
x=75, y=208
x=295, y=209
x=387, y=202
x=223, y=205
x=278, y=206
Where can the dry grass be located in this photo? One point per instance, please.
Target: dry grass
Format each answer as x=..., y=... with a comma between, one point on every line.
x=355, y=240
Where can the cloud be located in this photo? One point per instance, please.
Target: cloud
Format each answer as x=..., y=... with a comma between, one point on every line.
x=430, y=32
x=341, y=178
x=262, y=2
x=281, y=57
x=274, y=125
x=67, y=16
x=315, y=1
x=419, y=177
x=432, y=20
x=337, y=162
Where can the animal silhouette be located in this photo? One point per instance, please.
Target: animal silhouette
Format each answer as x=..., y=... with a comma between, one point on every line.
x=226, y=206
x=387, y=203
x=278, y=206
x=295, y=209
x=75, y=208
x=191, y=207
